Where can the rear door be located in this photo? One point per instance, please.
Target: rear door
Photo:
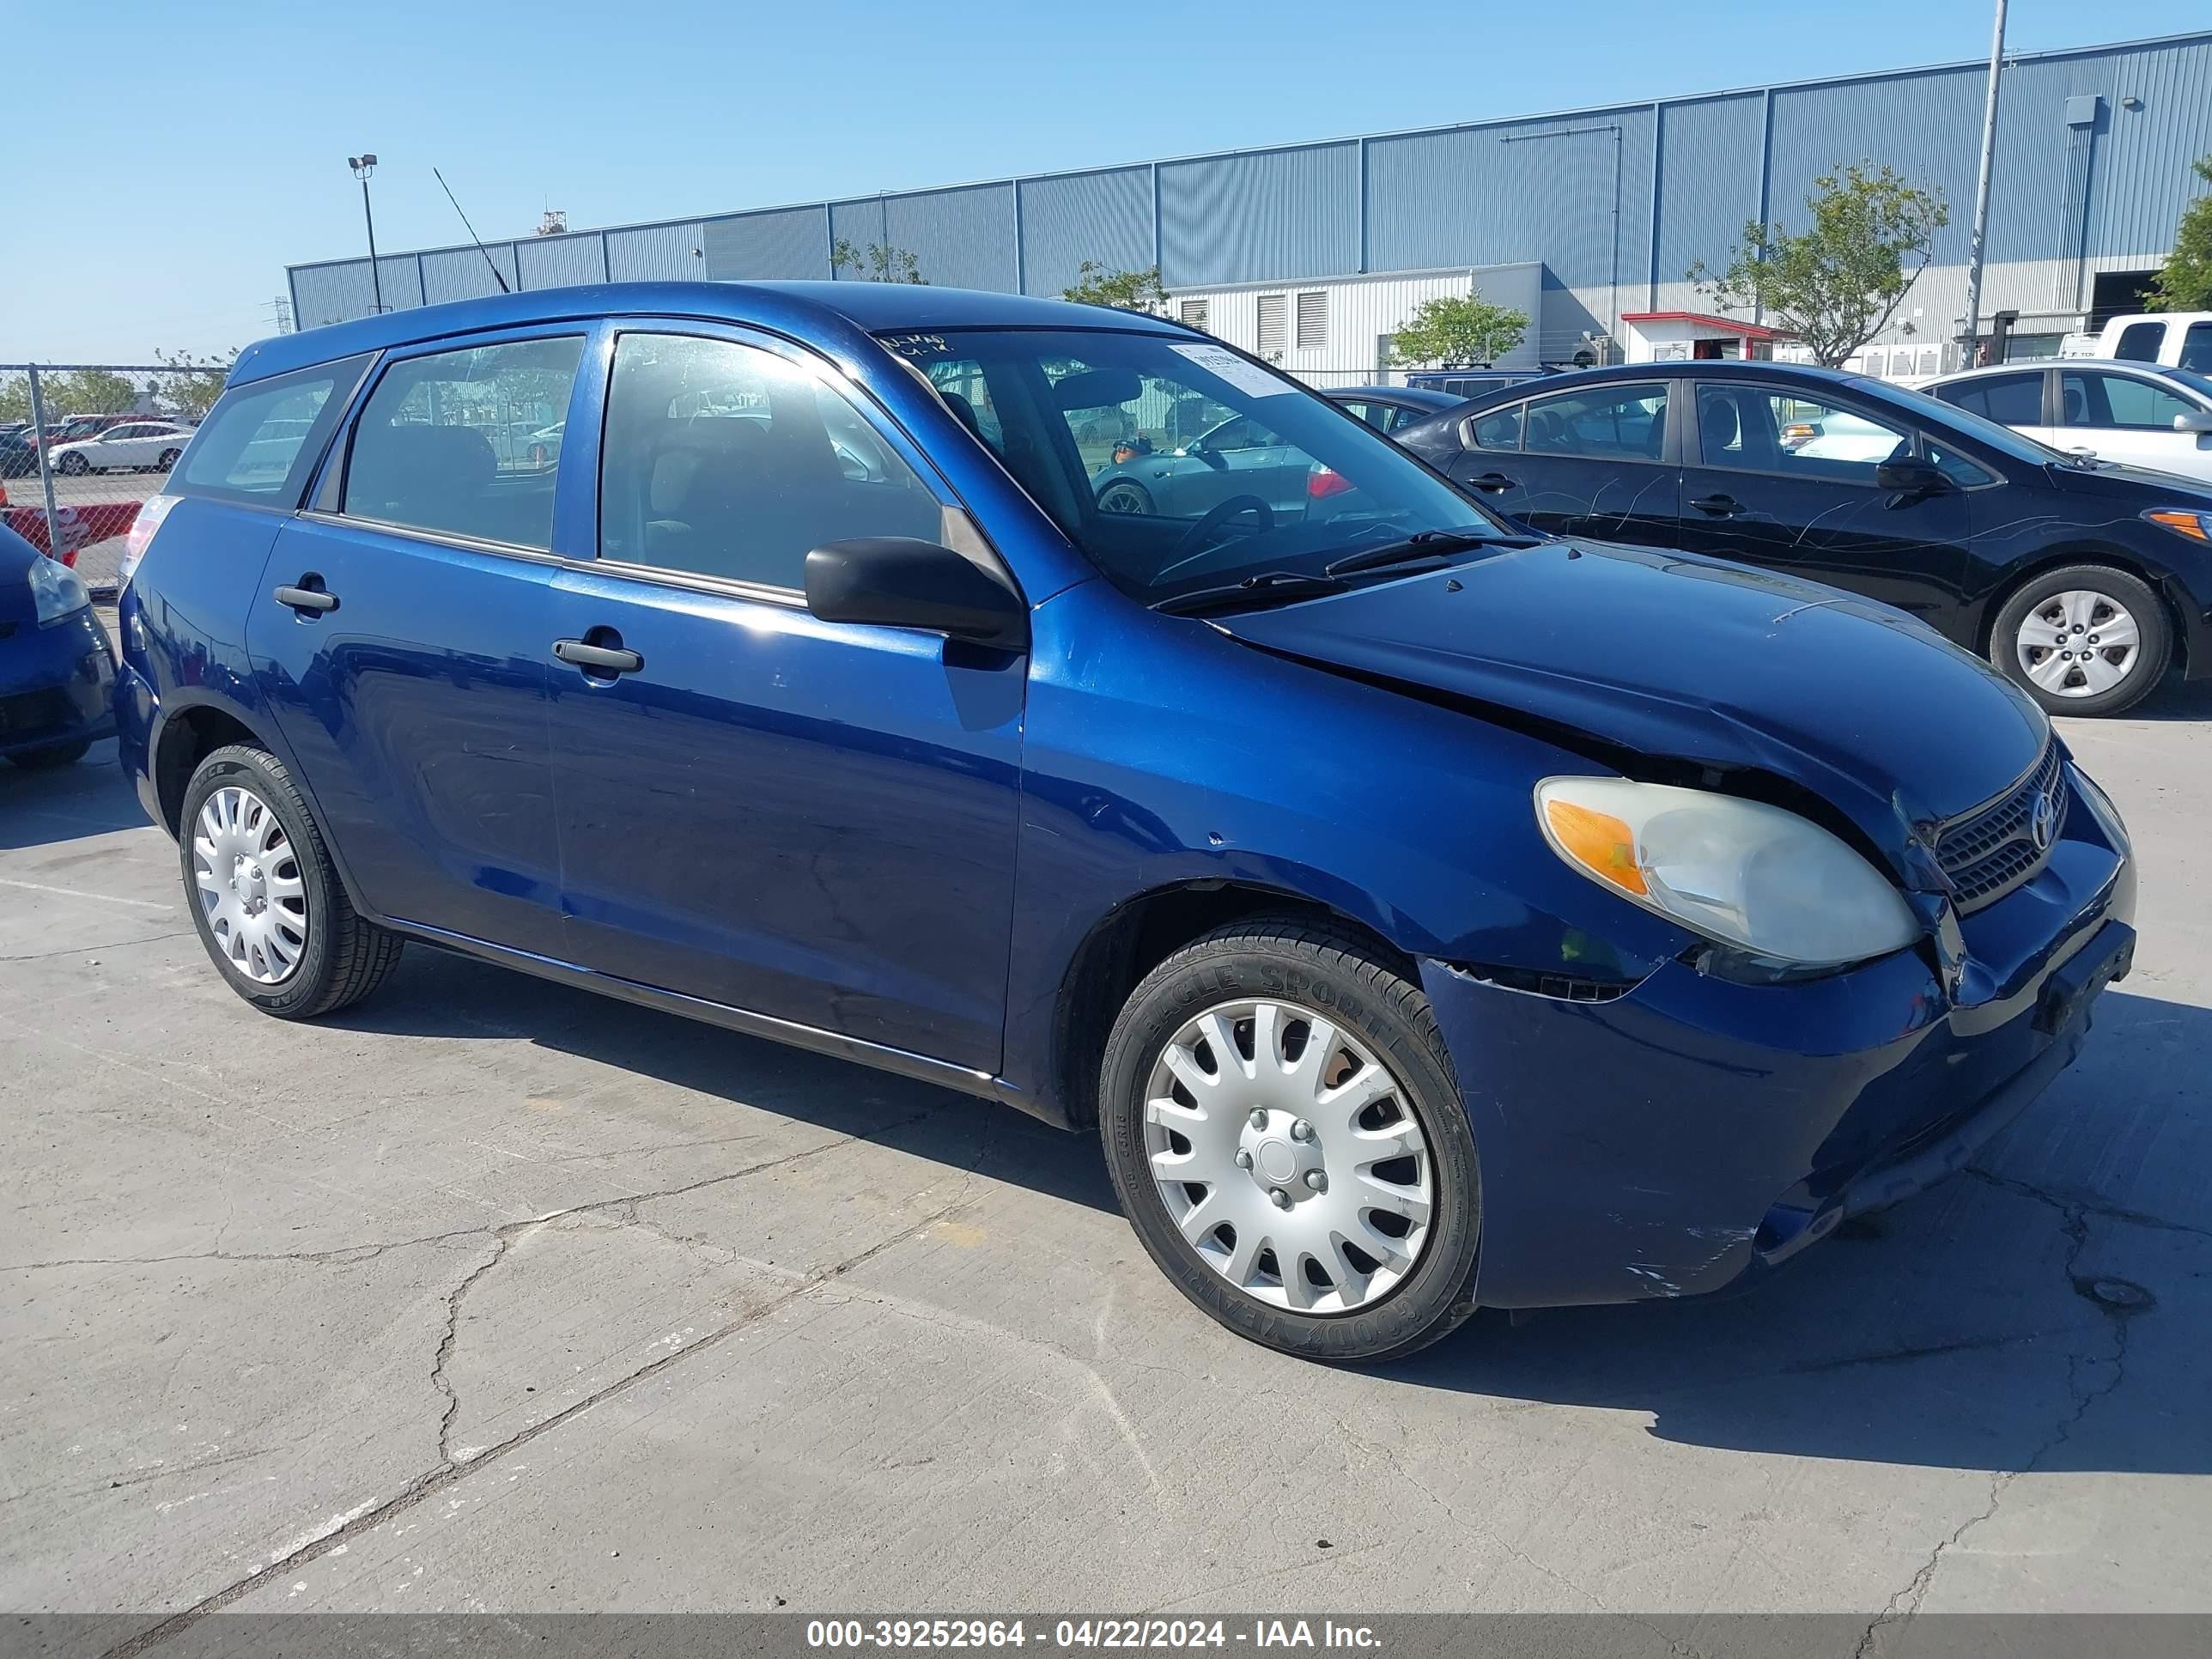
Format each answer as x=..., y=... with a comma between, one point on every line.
x=400, y=636
x=1784, y=478
x=2130, y=418
x=2018, y=400
x=809, y=820
x=1597, y=462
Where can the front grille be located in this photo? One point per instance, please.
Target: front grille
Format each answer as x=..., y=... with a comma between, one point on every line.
x=1992, y=850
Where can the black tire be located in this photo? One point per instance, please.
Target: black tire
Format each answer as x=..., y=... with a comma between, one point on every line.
x=167, y=460
x=2153, y=652
x=346, y=957
x=74, y=465
x=1295, y=961
x=1139, y=499
x=59, y=754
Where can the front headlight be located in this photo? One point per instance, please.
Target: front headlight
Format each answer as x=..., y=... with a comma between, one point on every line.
x=57, y=590
x=1749, y=875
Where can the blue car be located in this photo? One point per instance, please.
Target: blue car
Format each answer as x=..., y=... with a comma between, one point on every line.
x=1425, y=914
x=57, y=676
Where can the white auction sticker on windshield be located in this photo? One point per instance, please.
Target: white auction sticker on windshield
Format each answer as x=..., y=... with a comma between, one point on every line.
x=1245, y=377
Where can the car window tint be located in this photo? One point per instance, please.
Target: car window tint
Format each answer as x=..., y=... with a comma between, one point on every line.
x=2119, y=401
x=2007, y=399
x=261, y=440
x=2197, y=348
x=1612, y=422
x=1965, y=474
x=442, y=443
x=1757, y=429
x=728, y=460
x=1500, y=429
x=2139, y=343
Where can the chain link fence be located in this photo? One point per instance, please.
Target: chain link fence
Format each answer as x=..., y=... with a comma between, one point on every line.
x=83, y=445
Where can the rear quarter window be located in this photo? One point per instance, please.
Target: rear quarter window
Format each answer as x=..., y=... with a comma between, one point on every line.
x=261, y=442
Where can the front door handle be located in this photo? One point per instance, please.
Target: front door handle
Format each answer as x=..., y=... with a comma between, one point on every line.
x=1718, y=506
x=306, y=601
x=1491, y=483
x=600, y=658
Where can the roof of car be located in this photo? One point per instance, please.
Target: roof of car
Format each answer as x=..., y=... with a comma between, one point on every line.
x=873, y=307
x=1704, y=368
x=2036, y=365
x=1422, y=397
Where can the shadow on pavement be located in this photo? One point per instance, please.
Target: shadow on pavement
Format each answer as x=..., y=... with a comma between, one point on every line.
x=67, y=803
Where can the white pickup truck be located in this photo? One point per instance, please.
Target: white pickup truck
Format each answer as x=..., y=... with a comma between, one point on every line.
x=2178, y=339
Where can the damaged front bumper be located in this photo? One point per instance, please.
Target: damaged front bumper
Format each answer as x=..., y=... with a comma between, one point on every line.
x=1694, y=1133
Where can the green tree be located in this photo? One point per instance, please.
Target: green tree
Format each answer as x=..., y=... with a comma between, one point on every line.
x=880, y=263
x=15, y=398
x=1122, y=290
x=1836, y=284
x=88, y=392
x=191, y=388
x=2185, y=284
x=1456, y=331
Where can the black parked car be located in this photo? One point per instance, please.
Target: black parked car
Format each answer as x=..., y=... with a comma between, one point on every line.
x=1391, y=408
x=2080, y=579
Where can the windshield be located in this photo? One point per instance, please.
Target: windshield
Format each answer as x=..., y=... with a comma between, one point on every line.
x=1175, y=464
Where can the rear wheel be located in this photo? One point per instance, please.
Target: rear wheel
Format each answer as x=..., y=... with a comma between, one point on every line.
x=264, y=898
x=168, y=459
x=1286, y=1137
x=2086, y=639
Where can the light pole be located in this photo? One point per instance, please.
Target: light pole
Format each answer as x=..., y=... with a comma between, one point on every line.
x=363, y=166
x=1972, y=336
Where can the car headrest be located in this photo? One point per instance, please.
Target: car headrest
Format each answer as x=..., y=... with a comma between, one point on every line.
x=2077, y=406
x=405, y=472
x=1718, y=425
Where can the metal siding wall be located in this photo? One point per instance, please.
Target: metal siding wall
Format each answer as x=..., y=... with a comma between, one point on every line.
x=2143, y=179
x=1927, y=126
x=1251, y=218
x=655, y=253
x=402, y=280
x=1105, y=216
x=961, y=238
x=1708, y=185
x=859, y=222
x=332, y=294
x=461, y=273
x=791, y=244
x=558, y=261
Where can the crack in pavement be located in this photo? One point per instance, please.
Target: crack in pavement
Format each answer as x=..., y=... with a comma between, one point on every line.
x=1905, y=1605
x=2087, y=1205
x=449, y=1471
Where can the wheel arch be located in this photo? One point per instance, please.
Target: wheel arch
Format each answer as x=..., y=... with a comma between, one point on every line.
x=2160, y=581
x=1143, y=931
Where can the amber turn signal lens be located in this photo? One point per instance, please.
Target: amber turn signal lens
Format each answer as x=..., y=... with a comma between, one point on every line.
x=2191, y=524
x=1599, y=842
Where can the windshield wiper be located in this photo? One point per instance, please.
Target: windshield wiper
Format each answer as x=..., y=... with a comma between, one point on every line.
x=1252, y=590
x=1421, y=545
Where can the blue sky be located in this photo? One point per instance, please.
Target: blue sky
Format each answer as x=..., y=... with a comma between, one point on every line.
x=187, y=153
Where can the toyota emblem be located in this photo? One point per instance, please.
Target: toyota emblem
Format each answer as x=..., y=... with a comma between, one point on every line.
x=2043, y=822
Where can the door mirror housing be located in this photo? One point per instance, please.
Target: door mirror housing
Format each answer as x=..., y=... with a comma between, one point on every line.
x=2193, y=420
x=898, y=581
x=1910, y=478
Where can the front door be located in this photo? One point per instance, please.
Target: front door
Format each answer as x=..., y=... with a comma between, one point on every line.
x=808, y=820
x=1781, y=478
x=400, y=639
x=1592, y=463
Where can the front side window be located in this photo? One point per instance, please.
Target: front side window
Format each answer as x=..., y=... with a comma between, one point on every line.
x=261, y=440
x=2119, y=402
x=1611, y=422
x=442, y=443
x=2197, y=348
x=2139, y=343
x=1759, y=429
x=728, y=460
x=1173, y=464
x=2007, y=399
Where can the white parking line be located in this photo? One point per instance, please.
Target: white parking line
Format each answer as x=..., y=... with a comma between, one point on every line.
x=73, y=892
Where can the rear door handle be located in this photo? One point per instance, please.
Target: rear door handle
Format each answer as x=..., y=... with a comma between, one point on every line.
x=1718, y=506
x=605, y=659
x=306, y=601
x=1490, y=482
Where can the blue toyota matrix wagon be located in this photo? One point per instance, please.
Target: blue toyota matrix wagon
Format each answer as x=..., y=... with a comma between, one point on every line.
x=1427, y=914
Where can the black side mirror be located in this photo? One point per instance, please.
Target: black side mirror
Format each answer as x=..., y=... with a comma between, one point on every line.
x=897, y=581
x=1910, y=478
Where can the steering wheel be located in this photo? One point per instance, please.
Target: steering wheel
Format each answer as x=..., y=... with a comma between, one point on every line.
x=1200, y=535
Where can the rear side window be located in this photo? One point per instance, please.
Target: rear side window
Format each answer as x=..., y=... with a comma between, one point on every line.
x=444, y=443
x=260, y=441
x=727, y=460
x=2139, y=343
x=1500, y=429
x=1613, y=423
x=2007, y=399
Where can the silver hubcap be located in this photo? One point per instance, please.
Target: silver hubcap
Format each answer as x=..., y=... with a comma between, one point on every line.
x=2078, y=643
x=249, y=886
x=1289, y=1156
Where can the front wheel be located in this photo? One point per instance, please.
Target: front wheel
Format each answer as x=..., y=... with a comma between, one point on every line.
x=1123, y=496
x=2085, y=639
x=1285, y=1135
x=168, y=459
x=264, y=897
x=76, y=465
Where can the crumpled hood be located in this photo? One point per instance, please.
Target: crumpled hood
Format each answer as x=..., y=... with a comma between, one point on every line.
x=1681, y=658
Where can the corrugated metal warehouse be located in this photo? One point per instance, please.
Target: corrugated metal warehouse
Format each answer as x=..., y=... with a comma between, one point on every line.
x=1314, y=253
